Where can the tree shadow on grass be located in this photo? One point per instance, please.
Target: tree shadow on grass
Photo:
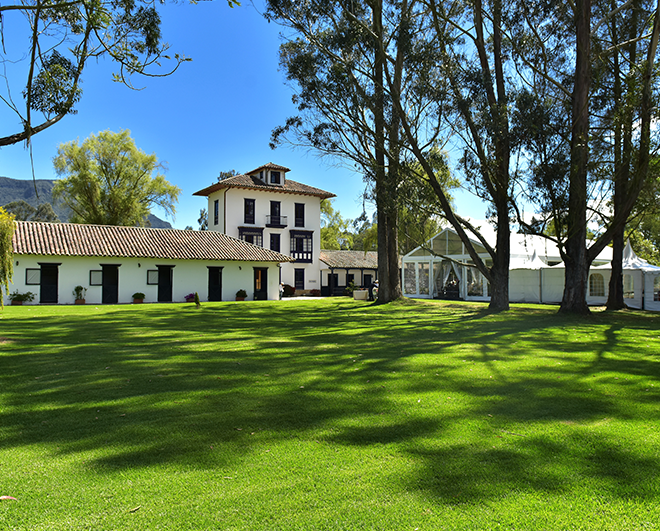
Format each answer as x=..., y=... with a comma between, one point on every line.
x=203, y=388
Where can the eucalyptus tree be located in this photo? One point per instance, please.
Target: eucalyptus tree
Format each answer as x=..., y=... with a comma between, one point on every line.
x=594, y=64
x=55, y=41
x=458, y=63
x=626, y=99
x=334, y=62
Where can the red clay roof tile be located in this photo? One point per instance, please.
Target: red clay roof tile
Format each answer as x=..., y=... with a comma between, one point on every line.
x=69, y=239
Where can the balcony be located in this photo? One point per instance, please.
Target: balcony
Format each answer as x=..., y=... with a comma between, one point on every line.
x=302, y=256
x=278, y=222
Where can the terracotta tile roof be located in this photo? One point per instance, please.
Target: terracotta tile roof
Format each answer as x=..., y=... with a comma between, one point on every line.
x=269, y=166
x=350, y=259
x=250, y=182
x=69, y=239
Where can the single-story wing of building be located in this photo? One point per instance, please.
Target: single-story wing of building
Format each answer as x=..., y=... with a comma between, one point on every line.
x=113, y=263
x=340, y=268
x=536, y=272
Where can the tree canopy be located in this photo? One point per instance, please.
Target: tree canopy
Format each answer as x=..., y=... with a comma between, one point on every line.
x=109, y=181
x=335, y=230
x=546, y=101
x=23, y=211
x=60, y=37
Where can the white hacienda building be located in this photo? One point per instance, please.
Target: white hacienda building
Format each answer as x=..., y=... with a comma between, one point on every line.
x=113, y=263
x=265, y=208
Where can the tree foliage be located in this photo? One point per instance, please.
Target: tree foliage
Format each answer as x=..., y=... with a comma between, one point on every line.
x=335, y=230
x=226, y=175
x=109, y=181
x=203, y=219
x=60, y=38
x=420, y=212
x=595, y=62
x=6, y=253
x=546, y=101
x=23, y=211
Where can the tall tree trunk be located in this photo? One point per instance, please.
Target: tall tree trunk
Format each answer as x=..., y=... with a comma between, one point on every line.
x=623, y=148
x=383, y=199
x=499, y=292
x=615, y=299
x=576, y=260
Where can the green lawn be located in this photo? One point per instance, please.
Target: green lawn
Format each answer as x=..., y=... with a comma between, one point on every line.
x=328, y=414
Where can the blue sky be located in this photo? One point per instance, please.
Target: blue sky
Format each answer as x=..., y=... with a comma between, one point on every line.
x=215, y=113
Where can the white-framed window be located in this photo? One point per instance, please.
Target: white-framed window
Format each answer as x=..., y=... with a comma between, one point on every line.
x=152, y=277
x=596, y=285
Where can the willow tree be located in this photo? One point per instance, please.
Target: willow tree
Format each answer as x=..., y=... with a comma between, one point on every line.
x=109, y=181
x=6, y=253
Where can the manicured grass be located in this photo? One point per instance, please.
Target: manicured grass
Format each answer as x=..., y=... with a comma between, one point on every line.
x=330, y=414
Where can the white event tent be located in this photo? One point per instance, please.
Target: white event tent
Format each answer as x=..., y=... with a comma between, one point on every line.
x=442, y=268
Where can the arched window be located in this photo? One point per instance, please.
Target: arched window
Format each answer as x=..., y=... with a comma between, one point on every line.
x=628, y=287
x=596, y=285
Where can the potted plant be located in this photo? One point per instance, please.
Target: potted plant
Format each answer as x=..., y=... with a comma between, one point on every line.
x=79, y=294
x=241, y=294
x=190, y=297
x=138, y=297
x=18, y=299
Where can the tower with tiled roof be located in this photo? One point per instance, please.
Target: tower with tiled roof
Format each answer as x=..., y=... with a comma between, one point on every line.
x=266, y=208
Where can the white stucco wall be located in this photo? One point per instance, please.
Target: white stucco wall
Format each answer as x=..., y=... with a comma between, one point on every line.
x=188, y=276
x=231, y=217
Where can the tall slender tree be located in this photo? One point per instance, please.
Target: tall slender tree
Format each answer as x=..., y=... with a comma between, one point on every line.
x=336, y=64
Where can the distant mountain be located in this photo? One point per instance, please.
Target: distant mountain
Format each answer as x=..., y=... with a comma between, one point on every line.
x=17, y=189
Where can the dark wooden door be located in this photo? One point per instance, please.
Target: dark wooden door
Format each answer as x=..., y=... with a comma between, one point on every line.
x=260, y=284
x=165, y=283
x=299, y=278
x=49, y=284
x=110, y=284
x=333, y=280
x=215, y=283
